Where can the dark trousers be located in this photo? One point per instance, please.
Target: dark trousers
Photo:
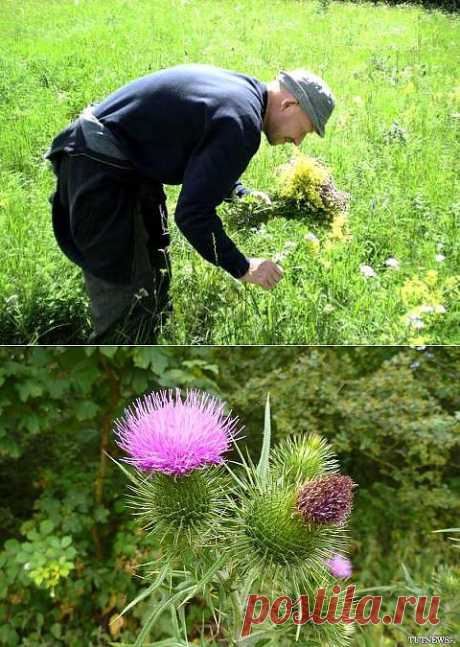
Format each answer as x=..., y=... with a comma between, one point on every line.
x=114, y=226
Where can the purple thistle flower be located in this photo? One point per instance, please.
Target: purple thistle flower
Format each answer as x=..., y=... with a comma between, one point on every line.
x=326, y=500
x=164, y=433
x=339, y=566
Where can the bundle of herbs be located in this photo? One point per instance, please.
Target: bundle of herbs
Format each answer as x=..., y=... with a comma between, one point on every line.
x=305, y=190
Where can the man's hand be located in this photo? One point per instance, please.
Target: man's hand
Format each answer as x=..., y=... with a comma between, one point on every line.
x=262, y=272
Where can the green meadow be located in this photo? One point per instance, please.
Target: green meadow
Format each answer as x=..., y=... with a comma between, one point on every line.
x=392, y=144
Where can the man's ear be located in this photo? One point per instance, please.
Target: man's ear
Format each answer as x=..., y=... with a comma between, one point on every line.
x=287, y=103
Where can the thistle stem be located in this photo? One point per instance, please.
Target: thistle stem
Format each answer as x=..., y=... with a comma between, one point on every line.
x=237, y=617
x=236, y=623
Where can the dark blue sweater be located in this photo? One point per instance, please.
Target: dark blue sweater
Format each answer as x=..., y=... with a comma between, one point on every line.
x=195, y=125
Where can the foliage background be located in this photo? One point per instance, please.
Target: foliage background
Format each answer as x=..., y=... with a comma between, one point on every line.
x=391, y=414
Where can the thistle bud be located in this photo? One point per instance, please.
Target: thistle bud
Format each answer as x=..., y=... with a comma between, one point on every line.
x=183, y=512
x=303, y=458
x=271, y=537
x=326, y=500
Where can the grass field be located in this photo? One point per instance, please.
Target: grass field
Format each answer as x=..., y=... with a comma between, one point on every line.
x=392, y=143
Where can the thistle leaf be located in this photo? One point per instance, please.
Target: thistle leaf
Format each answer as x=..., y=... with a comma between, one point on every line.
x=161, y=576
x=447, y=530
x=126, y=472
x=263, y=466
x=186, y=594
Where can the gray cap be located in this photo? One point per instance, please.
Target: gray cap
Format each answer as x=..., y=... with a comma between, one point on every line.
x=313, y=95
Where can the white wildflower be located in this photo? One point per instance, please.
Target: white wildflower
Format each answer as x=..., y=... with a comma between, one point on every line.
x=289, y=246
x=367, y=271
x=415, y=322
x=436, y=308
x=392, y=263
x=439, y=258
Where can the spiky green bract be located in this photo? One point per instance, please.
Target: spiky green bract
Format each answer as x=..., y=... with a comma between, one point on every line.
x=268, y=539
x=184, y=512
x=310, y=635
x=300, y=458
x=339, y=635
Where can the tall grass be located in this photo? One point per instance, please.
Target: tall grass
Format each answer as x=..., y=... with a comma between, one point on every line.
x=392, y=144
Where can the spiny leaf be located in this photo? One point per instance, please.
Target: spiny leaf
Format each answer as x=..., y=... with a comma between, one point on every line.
x=263, y=466
x=187, y=593
x=161, y=576
x=126, y=472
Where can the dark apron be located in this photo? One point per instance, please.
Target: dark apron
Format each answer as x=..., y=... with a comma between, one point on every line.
x=114, y=226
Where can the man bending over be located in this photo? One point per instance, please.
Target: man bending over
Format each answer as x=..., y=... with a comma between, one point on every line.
x=194, y=125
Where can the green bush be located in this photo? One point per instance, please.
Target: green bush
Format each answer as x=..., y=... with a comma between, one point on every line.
x=394, y=428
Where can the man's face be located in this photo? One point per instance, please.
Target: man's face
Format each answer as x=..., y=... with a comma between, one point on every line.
x=288, y=124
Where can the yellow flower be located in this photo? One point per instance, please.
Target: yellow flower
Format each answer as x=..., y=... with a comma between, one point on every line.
x=414, y=290
x=455, y=94
x=308, y=183
x=418, y=341
x=338, y=227
x=301, y=180
x=431, y=277
x=451, y=282
x=328, y=246
x=427, y=296
x=313, y=243
x=410, y=87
